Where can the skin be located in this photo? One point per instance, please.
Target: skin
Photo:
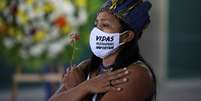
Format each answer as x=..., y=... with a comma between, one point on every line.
x=129, y=84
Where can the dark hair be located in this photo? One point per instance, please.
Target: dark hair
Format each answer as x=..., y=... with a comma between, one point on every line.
x=129, y=53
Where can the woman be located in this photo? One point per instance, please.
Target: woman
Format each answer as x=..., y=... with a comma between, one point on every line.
x=116, y=71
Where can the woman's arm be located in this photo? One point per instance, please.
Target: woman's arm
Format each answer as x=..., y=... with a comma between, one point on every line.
x=138, y=88
x=74, y=94
x=73, y=76
x=98, y=84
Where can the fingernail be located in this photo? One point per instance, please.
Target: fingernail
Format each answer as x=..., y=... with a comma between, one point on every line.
x=126, y=72
x=118, y=89
x=125, y=79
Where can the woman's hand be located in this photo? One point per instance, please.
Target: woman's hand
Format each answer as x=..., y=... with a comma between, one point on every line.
x=106, y=82
x=72, y=77
x=99, y=84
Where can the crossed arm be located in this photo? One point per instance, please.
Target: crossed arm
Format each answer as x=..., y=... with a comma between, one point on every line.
x=138, y=87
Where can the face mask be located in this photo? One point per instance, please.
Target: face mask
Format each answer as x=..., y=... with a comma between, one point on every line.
x=104, y=44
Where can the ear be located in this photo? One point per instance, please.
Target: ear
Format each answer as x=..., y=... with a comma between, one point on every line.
x=128, y=36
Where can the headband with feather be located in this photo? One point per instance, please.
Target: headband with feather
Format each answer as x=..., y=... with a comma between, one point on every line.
x=135, y=13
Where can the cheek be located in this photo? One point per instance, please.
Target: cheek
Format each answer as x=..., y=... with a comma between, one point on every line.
x=108, y=30
x=116, y=27
x=111, y=29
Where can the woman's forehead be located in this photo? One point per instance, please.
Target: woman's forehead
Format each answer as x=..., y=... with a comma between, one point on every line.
x=106, y=16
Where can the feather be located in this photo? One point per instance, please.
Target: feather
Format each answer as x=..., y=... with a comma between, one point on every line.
x=125, y=5
x=114, y=4
x=133, y=12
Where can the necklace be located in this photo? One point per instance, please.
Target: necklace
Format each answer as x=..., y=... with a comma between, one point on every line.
x=106, y=69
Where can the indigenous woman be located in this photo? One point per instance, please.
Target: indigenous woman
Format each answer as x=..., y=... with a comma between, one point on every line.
x=116, y=71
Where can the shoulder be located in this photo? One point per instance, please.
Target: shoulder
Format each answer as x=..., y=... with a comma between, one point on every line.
x=139, y=72
x=84, y=63
x=140, y=77
x=83, y=66
x=78, y=71
x=139, y=86
x=140, y=80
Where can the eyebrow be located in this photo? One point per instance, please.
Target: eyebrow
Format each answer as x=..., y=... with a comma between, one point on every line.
x=102, y=19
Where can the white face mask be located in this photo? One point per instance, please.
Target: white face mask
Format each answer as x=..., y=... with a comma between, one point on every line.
x=104, y=44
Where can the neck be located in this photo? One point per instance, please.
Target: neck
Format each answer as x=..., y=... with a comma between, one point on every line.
x=109, y=60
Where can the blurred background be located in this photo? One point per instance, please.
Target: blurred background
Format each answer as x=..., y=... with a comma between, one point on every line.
x=36, y=47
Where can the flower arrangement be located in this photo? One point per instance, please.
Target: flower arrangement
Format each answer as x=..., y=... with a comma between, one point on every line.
x=35, y=31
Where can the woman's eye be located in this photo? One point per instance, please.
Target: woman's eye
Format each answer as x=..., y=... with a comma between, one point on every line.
x=105, y=25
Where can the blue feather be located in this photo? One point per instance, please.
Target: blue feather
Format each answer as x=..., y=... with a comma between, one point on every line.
x=125, y=5
x=135, y=16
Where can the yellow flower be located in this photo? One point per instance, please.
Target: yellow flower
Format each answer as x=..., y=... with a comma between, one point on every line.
x=48, y=7
x=2, y=5
x=81, y=3
x=39, y=36
x=22, y=17
x=29, y=2
x=66, y=29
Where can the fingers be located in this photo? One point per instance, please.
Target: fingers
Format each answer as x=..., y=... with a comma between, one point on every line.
x=118, y=81
x=107, y=81
x=112, y=84
x=116, y=78
x=118, y=75
x=112, y=88
x=117, y=71
x=115, y=88
x=70, y=68
x=68, y=71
